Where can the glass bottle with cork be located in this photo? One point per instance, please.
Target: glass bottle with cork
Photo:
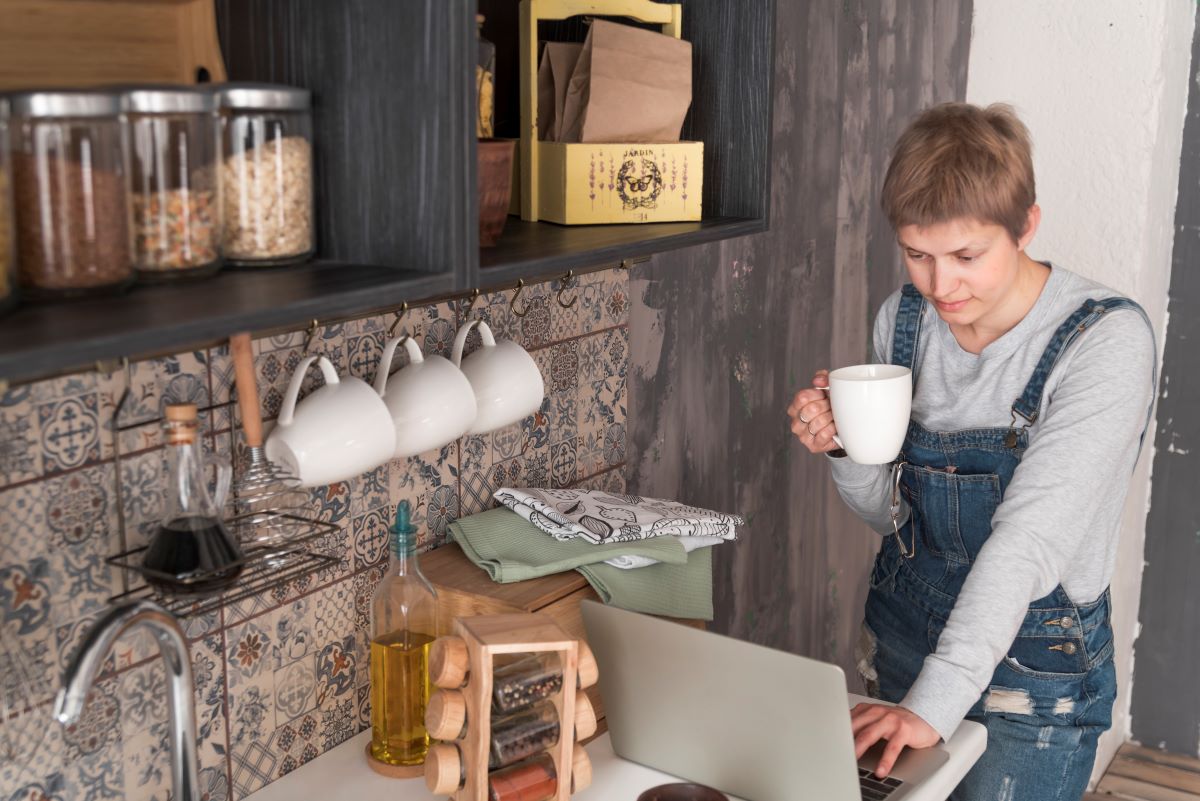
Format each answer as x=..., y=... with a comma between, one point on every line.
x=192, y=551
x=403, y=626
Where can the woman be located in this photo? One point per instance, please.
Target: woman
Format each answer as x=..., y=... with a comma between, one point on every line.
x=1032, y=388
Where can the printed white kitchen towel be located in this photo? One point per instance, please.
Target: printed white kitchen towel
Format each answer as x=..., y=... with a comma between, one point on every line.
x=604, y=517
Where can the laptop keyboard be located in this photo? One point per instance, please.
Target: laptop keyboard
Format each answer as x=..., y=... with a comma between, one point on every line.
x=875, y=788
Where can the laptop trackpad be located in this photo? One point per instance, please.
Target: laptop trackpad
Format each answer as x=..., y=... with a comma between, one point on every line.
x=914, y=764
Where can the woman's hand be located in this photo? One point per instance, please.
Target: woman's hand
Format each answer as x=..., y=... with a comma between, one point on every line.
x=812, y=417
x=900, y=727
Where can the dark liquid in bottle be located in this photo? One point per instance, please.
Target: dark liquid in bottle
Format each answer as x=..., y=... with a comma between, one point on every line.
x=188, y=547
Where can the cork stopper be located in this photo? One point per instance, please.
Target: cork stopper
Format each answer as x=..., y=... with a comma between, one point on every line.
x=581, y=770
x=446, y=715
x=443, y=769
x=448, y=662
x=179, y=423
x=589, y=671
x=585, y=716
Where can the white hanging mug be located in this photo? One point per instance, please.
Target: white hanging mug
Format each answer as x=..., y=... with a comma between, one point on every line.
x=506, y=380
x=430, y=401
x=341, y=430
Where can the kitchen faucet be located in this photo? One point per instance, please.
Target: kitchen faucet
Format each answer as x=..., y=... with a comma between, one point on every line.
x=85, y=667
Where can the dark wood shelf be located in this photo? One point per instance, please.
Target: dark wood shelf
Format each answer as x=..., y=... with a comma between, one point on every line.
x=539, y=249
x=48, y=339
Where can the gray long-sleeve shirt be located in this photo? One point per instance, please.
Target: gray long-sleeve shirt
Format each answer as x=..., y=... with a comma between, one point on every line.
x=1060, y=518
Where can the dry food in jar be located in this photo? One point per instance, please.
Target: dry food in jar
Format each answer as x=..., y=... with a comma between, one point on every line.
x=268, y=201
x=535, y=780
x=72, y=228
x=522, y=734
x=526, y=681
x=175, y=229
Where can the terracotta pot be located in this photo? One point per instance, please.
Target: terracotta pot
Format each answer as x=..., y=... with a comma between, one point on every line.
x=495, y=187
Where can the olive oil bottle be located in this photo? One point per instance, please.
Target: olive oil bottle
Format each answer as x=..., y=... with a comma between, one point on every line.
x=403, y=626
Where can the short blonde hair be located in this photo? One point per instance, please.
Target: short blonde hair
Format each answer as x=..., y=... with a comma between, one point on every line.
x=959, y=160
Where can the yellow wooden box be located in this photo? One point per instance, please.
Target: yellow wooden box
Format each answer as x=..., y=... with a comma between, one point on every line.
x=590, y=183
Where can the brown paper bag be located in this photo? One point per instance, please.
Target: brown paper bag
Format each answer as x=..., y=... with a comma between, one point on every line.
x=554, y=77
x=629, y=85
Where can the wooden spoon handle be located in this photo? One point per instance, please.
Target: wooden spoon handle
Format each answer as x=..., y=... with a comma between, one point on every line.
x=243, y=366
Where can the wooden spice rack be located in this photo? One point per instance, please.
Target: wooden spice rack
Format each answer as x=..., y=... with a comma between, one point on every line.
x=463, y=664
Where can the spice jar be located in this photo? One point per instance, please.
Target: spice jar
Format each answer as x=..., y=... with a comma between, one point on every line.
x=70, y=192
x=175, y=181
x=8, y=259
x=522, y=734
x=526, y=681
x=533, y=780
x=267, y=174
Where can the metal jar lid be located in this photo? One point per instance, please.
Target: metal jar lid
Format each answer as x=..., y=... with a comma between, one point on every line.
x=167, y=100
x=262, y=96
x=65, y=103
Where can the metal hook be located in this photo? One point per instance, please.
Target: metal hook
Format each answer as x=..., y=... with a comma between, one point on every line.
x=565, y=282
x=512, y=304
x=474, y=297
x=312, y=333
x=399, y=317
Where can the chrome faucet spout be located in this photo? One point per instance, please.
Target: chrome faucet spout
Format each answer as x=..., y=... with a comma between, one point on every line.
x=85, y=667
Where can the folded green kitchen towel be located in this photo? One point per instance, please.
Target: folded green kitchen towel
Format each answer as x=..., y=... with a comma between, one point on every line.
x=662, y=589
x=510, y=549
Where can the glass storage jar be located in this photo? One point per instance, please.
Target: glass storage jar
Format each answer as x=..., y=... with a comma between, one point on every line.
x=8, y=244
x=70, y=191
x=266, y=175
x=175, y=178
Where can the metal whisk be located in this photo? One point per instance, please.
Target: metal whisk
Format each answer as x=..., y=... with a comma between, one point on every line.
x=269, y=502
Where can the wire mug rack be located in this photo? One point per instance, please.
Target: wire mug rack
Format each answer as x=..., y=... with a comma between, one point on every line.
x=264, y=566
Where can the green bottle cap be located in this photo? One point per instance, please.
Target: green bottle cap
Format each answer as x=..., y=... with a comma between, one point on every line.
x=403, y=531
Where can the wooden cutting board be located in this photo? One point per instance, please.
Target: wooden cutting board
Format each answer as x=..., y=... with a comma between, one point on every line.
x=50, y=43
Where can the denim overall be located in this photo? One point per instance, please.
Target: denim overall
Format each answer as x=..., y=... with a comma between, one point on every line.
x=1051, y=697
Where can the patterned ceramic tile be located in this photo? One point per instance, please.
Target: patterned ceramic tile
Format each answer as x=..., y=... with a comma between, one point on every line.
x=21, y=457
x=369, y=491
x=143, y=492
x=363, y=352
x=22, y=522
x=70, y=432
x=535, y=325
x=608, y=481
x=35, y=771
x=100, y=725
x=371, y=534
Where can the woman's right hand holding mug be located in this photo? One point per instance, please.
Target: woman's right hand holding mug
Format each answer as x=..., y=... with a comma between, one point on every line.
x=812, y=416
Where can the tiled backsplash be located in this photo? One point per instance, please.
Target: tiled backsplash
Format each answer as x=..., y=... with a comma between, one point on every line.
x=283, y=677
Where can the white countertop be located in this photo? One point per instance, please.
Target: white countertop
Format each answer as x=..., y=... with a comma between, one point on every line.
x=343, y=774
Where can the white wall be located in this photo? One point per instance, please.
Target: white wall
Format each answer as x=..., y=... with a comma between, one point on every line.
x=1102, y=85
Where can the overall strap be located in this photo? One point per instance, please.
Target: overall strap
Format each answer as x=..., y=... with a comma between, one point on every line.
x=907, y=335
x=1087, y=315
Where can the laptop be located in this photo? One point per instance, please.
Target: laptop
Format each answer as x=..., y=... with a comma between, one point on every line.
x=750, y=721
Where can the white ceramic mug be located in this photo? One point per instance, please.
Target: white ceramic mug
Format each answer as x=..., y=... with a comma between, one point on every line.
x=341, y=430
x=431, y=402
x=871, y=406
x=506, y=380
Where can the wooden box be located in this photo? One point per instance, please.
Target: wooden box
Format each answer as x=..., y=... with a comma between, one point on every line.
x=589, y=183
x=465, y=590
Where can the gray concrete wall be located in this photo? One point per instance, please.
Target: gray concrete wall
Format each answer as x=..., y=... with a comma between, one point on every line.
x=723, y=335
x=1166, y=699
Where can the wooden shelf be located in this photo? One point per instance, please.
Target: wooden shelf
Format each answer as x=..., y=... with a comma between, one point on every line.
x=47, y=339
x=528, y=249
